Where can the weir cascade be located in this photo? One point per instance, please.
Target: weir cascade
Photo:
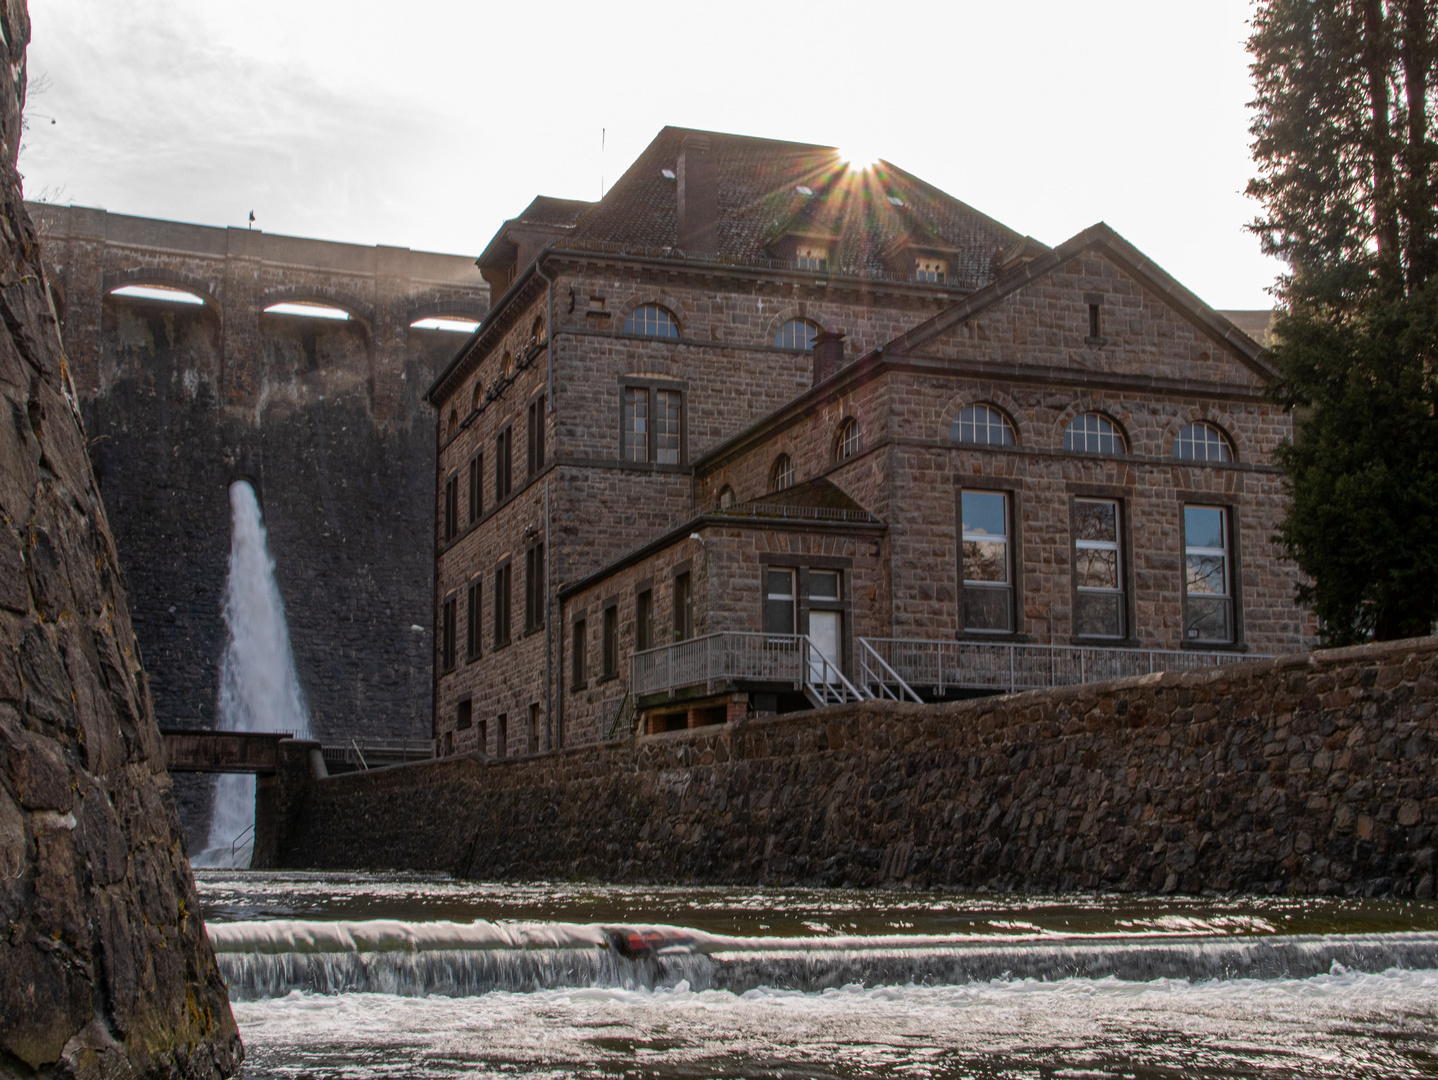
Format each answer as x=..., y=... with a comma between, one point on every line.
x=271, y=959
x=259, y=687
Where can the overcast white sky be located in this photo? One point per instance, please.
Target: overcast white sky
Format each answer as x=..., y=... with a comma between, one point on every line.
x=426, y=123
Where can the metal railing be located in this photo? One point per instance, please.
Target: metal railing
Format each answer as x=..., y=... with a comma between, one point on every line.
x=732, y=655
x=363, y=753
x=800, y=513
x=940, y=666
x=879, y=680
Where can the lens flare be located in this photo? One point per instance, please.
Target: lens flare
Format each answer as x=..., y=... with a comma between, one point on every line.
x=859, y=159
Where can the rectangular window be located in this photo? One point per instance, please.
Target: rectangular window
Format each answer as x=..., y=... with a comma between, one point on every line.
x=536, y=436
x=1093, y=321
x=644, y=621
x=500, y=603
x=447, y=629
x=464, y=715
x=482, y=737
x=1098, y=569
x=534, y=587
x=476, y=488
x=501, y=736
x=683, y=609
x=611, y=641
x=577, y=650
x=1208, y=577
x=779, y=607
x=636, y=423
x=933, y=270
x=824, y=585
x=472, y=623
x=535, y=730
x=666, y=427
x=451, y=508
x=811, y=257
x=988, y=576
x=501, y=464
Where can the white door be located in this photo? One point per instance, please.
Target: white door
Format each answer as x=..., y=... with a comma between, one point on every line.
x=824, y=632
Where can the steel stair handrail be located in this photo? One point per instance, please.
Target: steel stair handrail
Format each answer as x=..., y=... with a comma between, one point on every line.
x=869, y=676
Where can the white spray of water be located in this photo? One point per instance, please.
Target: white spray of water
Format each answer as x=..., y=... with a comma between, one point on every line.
x=259, y=689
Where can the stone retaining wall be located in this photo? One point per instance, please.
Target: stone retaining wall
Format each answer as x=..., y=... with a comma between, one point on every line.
x=1306, y=774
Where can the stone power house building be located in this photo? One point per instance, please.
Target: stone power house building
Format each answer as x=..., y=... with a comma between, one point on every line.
x=764, y=429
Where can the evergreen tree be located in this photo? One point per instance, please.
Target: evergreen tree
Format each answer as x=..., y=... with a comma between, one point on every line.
x=1345, y=149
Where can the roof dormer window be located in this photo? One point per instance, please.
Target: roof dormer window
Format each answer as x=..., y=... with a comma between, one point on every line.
x=811, y=257
x=931, y=270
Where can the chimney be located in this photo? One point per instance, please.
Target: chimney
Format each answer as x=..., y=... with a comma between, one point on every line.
x=698, y=192
x=828, y=354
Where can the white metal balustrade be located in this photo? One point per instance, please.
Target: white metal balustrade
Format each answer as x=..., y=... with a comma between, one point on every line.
x=891, y=667
x=732, y=656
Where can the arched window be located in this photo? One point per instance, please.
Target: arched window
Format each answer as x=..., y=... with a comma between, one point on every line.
x=782, y=475
x=507, y=366
x=1094, y=433
x=726, y=497
x=536, y=332
x=651, y=320
x=1201, y=442
x=982, y=424
x=477, y=396
x=453, y=425
x=846, y=442
x=797, y=334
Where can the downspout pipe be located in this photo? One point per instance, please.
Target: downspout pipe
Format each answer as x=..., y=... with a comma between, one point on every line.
x=553, y=736
x=549, y=732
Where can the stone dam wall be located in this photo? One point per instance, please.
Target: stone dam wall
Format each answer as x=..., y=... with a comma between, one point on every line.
x=105, y=969
x=1312, y=773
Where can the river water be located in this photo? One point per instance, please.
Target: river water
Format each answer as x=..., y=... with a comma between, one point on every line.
x=370, y=976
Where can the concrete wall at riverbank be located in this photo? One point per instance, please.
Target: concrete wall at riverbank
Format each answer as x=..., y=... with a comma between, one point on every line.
x=1310, y=773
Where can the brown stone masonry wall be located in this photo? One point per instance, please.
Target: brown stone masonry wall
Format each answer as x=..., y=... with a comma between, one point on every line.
x=105, y=969
x=1308, y=774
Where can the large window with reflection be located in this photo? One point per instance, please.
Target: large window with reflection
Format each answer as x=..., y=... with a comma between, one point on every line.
x=651, y=320
x=846, y=439
x=1208, y=614
x=652, y=424
x=782, y=475
x=1098, y=569
x=987, y=557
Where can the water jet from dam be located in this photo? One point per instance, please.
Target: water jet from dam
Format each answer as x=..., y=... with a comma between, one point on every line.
x=259, y=688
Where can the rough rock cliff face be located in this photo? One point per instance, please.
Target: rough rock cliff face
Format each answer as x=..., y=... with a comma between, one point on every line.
x=105, y=969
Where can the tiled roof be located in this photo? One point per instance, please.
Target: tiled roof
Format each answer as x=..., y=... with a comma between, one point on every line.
x=545, y=210
x=868, y=211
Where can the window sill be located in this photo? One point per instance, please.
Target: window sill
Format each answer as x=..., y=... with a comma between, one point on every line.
x=1100, y=342
x=998, y=637
x=606, y=678
x=530, y=631
x=471, y=659
x=1105, y=642
x=1214, y=646
x=574, y=688
x=500, y=645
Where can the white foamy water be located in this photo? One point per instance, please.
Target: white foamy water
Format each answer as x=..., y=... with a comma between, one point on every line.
x=259, y=688
x=1342, y=1025
x=370, y=976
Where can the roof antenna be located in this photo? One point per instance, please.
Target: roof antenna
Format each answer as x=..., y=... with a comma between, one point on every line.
x=601, y=162
x=251, y=225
